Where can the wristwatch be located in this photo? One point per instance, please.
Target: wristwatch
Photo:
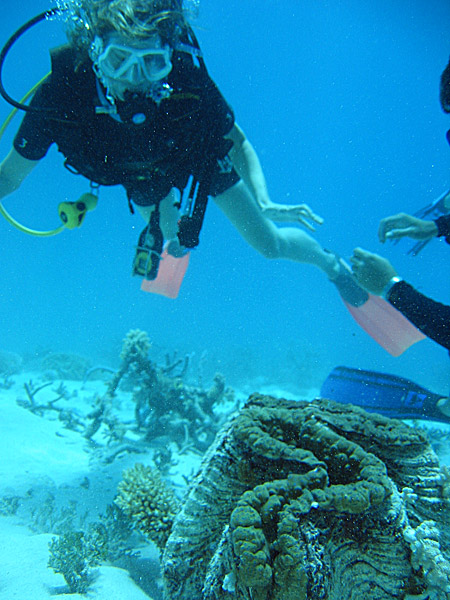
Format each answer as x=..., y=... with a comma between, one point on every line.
x=388, y=287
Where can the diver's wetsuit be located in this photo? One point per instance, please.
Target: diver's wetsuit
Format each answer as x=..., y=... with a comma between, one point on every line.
x=431, y=317
x=443, y=225
x=182, y=136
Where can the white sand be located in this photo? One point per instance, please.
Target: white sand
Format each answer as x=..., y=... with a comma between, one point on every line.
x=38, y=454
x=33, y=448
x=24, y=574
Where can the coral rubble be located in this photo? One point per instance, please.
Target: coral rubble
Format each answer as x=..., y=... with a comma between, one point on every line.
x=303, y=501
x=163, y=403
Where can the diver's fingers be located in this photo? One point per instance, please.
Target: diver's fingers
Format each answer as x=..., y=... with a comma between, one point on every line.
x=360, y=253
x=400, y=233
x=306, y=223
x=317, y=219
x=355, y=262
x=360, y=258
x=395, y=222
x=305, y=211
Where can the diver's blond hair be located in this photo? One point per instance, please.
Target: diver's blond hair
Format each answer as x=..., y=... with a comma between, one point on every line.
x=133, y=19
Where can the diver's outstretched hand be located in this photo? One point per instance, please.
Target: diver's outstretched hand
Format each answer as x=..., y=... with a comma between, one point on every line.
x=288, y=213
x=403, y=225
x=372, y=272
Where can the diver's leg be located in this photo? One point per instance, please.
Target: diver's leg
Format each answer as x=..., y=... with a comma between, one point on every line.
x=168, y=214
x=290, y=243
x=145, y=212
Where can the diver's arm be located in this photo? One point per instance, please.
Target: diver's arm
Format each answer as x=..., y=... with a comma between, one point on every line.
x=247, y=164
x=376, y=275
x=13, y=170
x=431, y=317
x=443, y=227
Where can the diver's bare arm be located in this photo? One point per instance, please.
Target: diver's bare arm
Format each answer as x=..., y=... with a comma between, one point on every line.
x=247, y=164
x=13, y=170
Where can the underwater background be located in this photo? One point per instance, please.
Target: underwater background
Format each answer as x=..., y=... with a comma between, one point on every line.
x=341, y=103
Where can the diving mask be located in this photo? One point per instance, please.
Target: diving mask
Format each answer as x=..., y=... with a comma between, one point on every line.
x=135, y=66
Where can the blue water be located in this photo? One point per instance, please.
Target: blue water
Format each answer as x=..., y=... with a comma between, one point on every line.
x=340, y=100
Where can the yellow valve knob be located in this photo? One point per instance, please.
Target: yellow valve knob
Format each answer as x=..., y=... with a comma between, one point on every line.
x=72, y=213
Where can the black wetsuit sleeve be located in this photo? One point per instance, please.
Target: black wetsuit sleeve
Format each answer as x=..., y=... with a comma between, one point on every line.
x=216, y=110
x=443, y=225
x=35, y=134
x=431, y=317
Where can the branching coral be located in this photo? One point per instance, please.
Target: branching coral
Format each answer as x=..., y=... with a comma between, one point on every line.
x=73, y=554
x=164, y=404
x=151, y=505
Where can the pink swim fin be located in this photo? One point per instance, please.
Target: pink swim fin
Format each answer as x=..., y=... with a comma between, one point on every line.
x=386, y=325
x=170, y=276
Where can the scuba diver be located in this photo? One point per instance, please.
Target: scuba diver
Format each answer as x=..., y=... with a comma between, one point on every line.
x=376, y=274
x=129, y=102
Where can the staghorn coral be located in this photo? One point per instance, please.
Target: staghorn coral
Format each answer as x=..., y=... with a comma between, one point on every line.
x=163, y=404
x=150, y=504
x=134, y=360
x=303, y=501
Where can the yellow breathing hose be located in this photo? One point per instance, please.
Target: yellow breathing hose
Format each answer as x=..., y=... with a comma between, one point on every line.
x=3, y=211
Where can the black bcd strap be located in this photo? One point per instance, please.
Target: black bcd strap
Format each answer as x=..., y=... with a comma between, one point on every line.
x=189, y=227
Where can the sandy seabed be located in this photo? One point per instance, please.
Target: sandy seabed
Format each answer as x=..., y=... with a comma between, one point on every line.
x=47, y=467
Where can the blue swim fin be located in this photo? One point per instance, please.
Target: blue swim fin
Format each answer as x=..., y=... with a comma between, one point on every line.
x=389, y=395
